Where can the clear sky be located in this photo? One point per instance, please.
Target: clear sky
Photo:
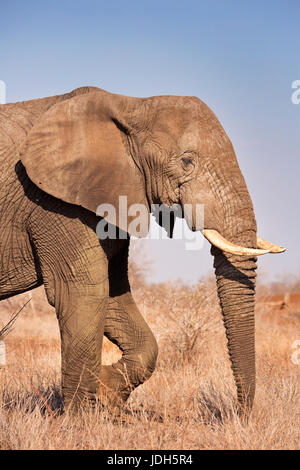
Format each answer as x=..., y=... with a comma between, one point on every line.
x=240, y=57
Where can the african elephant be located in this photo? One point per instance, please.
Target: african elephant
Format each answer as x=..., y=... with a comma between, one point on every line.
x=63, y=156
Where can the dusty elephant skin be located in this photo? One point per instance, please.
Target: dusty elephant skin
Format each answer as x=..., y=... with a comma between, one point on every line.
x=63, y=156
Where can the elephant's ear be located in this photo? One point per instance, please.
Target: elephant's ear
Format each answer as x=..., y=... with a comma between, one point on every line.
x=80, y=152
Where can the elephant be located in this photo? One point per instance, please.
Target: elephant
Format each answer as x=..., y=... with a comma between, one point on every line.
x=62, y=157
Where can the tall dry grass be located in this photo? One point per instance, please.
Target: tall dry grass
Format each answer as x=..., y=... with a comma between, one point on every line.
x=189, y=403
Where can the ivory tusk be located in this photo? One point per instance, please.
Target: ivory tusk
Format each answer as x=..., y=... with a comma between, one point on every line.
x=216, y=239
x=264, y=245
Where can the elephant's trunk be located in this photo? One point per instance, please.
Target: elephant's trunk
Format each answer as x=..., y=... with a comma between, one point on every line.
x=236, y=289
x=229, y=212
x=235, y=276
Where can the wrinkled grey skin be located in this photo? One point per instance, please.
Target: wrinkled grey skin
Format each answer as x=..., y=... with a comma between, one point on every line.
x=180, y=154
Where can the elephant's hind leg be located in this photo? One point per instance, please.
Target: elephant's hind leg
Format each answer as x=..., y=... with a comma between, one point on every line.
x=125, y=327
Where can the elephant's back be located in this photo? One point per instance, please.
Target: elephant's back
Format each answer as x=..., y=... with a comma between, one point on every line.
x=16, y=121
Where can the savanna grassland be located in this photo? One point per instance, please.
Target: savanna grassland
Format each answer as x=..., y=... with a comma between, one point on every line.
x=189, y=403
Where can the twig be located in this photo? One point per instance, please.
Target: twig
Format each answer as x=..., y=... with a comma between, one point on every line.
x=9, y=326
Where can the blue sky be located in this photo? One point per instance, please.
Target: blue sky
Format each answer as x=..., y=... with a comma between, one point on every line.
x=240, y=57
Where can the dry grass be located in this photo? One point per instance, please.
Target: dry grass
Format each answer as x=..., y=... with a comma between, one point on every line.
x=189, y=403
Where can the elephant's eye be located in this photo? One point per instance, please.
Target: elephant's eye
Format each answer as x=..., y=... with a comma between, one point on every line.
x=187, y=163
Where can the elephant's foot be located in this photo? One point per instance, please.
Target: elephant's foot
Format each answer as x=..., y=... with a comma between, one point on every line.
x=111, y=393
x=114, y=389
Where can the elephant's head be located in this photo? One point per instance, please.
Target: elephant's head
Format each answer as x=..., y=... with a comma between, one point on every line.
x=95, y=147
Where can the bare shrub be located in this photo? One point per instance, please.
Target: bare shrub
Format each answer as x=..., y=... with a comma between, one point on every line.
x=183, y=317
x=188, y=316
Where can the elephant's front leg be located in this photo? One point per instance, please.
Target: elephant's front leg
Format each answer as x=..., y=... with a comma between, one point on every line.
x=125, y=327
x=75, y=274
x=81, y=317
